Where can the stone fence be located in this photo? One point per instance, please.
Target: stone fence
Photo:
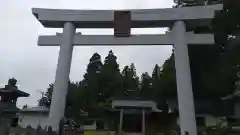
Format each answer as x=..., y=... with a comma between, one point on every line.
x=63, y=130
x=43, y=131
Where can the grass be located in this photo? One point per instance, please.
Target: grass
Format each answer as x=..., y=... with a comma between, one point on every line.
x=92, y=132
x=17, y=129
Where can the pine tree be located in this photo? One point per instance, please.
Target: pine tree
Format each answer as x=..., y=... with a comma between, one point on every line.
x=161, y=90
x=156, y=76
x=110, y=63
x=130, y=82
x=92, y=82
x=110, y=77
x=146, y=87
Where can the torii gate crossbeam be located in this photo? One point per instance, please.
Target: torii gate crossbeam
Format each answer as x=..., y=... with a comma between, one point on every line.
x=110, y=40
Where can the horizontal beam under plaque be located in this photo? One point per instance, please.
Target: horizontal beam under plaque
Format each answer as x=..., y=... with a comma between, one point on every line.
x=110, y=40
x=56, y=18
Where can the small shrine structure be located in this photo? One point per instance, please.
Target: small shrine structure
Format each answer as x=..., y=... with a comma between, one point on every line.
x=137, y=116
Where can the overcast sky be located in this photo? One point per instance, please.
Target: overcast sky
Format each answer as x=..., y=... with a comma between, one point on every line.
x=34, y=67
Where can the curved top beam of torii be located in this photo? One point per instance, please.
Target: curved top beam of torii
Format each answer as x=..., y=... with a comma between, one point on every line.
x=193, y=16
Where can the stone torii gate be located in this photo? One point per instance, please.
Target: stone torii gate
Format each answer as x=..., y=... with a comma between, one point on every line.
x=180, y=19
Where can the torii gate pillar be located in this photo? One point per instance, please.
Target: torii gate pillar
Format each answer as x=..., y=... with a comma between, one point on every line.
x=183, y=78
x=62, y=76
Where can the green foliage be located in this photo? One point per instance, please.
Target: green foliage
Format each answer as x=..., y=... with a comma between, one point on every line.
x=213, y=68
x=130, y=82
x=146, y=86
x=168, y=79
x=212, y=73
x=110, y=77
x=104, y=82
x=219, y=129
x=227, y=22
x=92, y=82
x=47, y=98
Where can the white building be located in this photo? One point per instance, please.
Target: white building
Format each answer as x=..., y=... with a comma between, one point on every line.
x=34, y=116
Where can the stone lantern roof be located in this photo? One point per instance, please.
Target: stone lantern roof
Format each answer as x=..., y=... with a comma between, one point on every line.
x=9, y=95
x=12, y=90
x=16, y=92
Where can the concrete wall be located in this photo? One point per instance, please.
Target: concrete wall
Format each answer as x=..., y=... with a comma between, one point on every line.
x=33, y=120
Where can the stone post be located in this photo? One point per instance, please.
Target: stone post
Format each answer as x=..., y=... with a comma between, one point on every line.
x=5, y=125
x=120, y=122
x=143, y=122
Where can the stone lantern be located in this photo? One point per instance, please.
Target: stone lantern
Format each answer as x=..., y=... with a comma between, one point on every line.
x=8, y=109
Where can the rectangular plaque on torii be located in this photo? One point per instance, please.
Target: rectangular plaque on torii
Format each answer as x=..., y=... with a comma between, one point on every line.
x=122, y=23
